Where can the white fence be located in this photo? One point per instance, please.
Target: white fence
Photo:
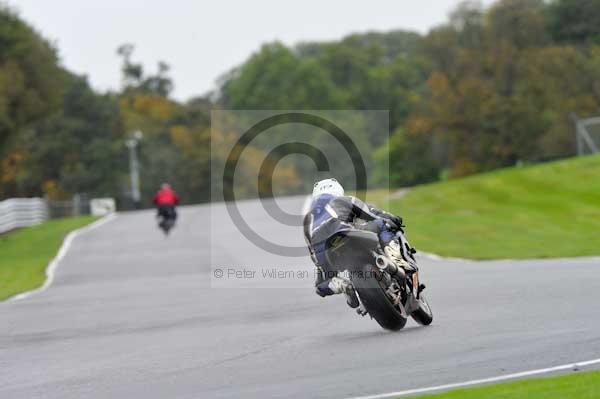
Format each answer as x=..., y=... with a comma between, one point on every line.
x=587, y=132
x=21, y=212
x=102, y=206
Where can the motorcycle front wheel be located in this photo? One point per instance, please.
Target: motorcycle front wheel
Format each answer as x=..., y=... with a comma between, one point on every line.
x=423, y=314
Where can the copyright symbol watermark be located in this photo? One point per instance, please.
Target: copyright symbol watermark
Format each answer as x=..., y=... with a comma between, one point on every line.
x=218, y=273
x=271, y=155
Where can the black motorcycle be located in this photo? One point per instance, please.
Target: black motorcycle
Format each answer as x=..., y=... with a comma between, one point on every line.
x=389, y=294
x=167, y=215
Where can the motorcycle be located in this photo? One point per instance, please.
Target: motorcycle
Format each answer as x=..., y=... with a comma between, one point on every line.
x=387, y=293
x=166, y=219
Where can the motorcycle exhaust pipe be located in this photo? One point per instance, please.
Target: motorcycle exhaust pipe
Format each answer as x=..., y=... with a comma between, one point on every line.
x=384, y=264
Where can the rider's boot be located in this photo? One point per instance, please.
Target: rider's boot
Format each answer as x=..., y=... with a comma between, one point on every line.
x=392, y=251
x=339, y=285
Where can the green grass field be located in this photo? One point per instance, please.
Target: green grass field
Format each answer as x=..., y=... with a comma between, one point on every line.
x=25, y=253
x=584, y=385
x=540, y=211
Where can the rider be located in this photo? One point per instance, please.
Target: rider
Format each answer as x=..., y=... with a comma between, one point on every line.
x=165, y=200
x=329, y=211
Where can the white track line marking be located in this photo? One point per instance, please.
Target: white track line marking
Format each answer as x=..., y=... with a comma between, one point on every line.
x=481, y=381
x=439, y=258
x=64, y=248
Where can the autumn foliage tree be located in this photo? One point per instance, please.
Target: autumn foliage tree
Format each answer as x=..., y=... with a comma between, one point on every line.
x=30, y=78
x=500, y=91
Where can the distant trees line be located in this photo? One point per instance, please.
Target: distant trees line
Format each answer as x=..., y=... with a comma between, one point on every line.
x=490, y=88
x=59, y=137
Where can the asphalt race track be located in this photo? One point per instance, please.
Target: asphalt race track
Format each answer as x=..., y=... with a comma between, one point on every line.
x=134, y=315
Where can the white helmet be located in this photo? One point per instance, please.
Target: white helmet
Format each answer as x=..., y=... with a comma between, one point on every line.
x=328, y=186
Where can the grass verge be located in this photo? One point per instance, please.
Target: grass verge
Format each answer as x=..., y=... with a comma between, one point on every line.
x=25, y=253
x=584, y=385
x=540, y=211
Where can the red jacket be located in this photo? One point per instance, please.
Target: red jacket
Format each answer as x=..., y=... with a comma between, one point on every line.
x=166, y=196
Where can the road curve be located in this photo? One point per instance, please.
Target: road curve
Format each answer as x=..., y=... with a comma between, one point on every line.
x=132, y=314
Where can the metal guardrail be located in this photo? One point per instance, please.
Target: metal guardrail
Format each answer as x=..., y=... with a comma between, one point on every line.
x=21, y=212
x=587, y=134
x=79, y=205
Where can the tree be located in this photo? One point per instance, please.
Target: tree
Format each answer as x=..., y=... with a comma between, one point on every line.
x=467, y=20
x=134, y=78
x=274, y=78
x=519, y=22
x=413, y=158
x=30, y=78
x=72, y=151
x=574, y=21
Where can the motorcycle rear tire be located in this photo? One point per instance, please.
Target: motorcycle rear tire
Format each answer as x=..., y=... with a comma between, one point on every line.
x=375, y=300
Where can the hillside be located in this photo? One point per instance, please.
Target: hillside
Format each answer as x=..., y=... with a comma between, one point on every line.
x=547, y=210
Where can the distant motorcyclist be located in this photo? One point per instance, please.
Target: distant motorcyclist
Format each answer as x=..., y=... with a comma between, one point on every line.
x=330, y=210
x=166, y=200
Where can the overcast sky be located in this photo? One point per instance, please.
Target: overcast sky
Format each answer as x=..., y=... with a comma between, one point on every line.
x=203, y=39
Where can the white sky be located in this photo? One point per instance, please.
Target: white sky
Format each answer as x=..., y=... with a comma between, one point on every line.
x=203, y=39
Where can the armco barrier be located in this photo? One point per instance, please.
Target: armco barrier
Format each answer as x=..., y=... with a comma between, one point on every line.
x=21, y=212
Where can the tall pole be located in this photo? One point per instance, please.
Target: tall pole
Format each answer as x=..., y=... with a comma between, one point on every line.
x=577, y=123
x=579, y=140
x=134, y=169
